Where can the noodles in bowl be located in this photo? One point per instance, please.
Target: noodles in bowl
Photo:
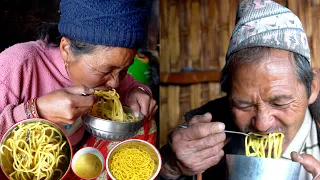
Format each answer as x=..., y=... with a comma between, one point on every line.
x=133, y=159
x=110, y=120
x=109, y=107
x=262, y=160
x=35, y=149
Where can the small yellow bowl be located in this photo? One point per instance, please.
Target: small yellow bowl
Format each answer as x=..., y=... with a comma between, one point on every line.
x=88, y=163
x=130, y=150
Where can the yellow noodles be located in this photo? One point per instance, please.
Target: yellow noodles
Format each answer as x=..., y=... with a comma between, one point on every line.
x=34, y=151
x=131, y=163
x=112, y=108
x=257, y=146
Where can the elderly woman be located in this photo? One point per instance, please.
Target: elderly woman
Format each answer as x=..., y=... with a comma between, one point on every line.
x=90, y=49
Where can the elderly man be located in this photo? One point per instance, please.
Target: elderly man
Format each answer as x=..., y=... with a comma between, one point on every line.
x=269, y=84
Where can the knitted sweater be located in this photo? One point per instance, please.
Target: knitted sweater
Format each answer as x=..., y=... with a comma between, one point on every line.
x=32, y=69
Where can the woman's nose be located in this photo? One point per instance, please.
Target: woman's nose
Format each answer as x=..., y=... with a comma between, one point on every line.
x=113, y=81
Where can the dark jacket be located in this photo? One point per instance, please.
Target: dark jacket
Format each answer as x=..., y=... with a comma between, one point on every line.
x=220, y=110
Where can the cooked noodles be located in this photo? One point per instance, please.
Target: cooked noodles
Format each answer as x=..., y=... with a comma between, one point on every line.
x=131, y=163
x=257, y=146
x=109, y=107
x=34, y=151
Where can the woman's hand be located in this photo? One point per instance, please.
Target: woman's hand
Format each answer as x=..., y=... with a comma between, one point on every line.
x=141, y=101
x=65, y=105
x=308, y=162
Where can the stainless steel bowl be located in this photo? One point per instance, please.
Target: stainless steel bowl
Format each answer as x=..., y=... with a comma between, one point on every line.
x=139, y=144
x=5, y=162
x=111, y=130
x=255, y=168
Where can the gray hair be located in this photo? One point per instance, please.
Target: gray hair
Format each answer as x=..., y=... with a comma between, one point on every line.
x=253, y=55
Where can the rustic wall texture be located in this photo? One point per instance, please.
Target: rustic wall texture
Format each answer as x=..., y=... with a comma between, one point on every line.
x=195, y=34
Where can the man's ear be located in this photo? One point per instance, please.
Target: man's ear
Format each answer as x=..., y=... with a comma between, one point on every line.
x=65, y=50
x=315, y=86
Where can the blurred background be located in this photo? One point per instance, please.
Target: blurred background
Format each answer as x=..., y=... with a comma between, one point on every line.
x=194, y=37
x=20, y=19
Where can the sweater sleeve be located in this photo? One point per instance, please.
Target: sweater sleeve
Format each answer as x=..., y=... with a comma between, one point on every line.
x=11, y=87
x=126, y=85
x=10, y=113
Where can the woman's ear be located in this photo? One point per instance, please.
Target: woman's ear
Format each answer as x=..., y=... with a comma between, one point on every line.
x=315, y=85
x=65, y=50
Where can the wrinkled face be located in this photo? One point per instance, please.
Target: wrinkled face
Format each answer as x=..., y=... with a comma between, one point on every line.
x=267, y=97
x=102, y=68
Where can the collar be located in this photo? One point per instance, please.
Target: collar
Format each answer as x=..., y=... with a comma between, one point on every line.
x=299, y=141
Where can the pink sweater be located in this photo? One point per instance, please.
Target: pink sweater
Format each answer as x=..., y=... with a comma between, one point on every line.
x=33, y=69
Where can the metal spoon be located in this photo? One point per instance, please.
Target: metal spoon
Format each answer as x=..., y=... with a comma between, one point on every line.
x=184, y=126
x=245, y=134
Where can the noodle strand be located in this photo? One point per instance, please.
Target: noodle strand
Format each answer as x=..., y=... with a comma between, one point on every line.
x=132, y=163
x=109, y=107
x=36, y=151
x=257, y=146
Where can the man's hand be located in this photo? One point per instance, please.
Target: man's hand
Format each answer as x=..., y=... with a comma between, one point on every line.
x=308, y=162
x=197, y=147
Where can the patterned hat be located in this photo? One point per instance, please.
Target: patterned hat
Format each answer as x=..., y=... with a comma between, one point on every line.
x=266, y=23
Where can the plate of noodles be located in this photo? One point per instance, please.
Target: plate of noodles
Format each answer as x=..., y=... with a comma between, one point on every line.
x=133, y=159
x=35, y=149
x=110, y=120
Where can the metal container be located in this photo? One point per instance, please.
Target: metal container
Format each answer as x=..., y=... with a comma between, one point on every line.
x=5, y=162
x=255, y=168
x=112, y=130
x=140, y=144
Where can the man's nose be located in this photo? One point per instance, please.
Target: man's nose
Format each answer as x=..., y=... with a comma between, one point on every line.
x=262, y=121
